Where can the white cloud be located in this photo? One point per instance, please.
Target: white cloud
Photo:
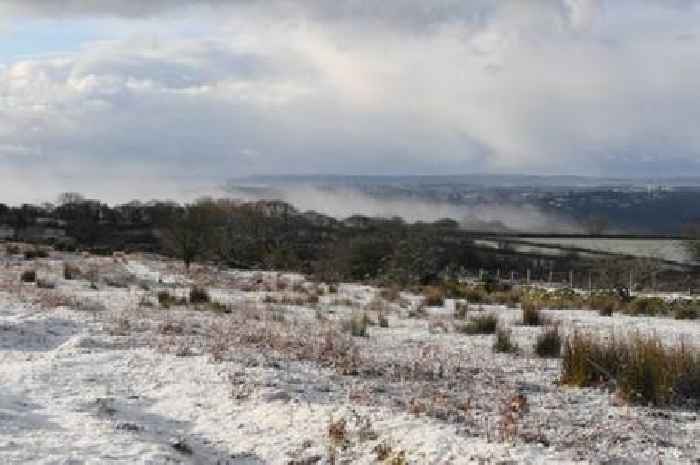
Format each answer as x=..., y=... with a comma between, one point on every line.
x=579, y=86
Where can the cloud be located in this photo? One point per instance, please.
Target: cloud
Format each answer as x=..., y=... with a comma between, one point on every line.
x=577, y=86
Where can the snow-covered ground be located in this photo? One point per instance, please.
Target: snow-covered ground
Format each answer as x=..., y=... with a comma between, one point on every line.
x=102, y=374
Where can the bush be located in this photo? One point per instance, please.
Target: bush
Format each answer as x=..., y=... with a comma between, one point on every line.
x=605, y=304
x=644, y=370
x=651, y=306
x=563, y=299
x=28, y=276
x=548, y=343
x=503, y=342
x=199, y=295
x=485, y=324
x=532, y=314
x=510, y=298
x=476, y=295
x=434, y=296
x=686, y=311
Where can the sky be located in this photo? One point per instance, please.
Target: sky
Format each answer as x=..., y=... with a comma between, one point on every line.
x=169, y=98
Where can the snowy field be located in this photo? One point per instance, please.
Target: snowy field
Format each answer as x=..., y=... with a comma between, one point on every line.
x=101, y=374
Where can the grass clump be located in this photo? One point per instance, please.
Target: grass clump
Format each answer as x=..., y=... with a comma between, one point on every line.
x=199, y=295
x=642, y=368
x=434, y=296
x=461, y=310
x=504, y=343
x=165, y=300
x=12, y=249
x=31, y=254
x=359, y=323
x=483, y=324
x=71, y=272
x=532, y=314
x=28, y=276
x=548, y=344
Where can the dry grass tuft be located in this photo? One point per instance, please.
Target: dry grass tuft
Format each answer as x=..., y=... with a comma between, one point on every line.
x=483, y=324
x=28, y=276
x=199, y=295
x=548, y=344
x=504, y=343
x=642, y=368
x=532, y=313
x=434, y=296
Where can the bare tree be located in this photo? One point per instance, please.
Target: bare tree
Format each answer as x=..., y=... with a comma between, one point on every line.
x=191, y=233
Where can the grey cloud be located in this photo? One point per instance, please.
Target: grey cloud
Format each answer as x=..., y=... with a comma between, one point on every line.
x=511, y=86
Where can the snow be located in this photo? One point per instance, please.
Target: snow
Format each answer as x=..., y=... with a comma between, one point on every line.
x=135, y=384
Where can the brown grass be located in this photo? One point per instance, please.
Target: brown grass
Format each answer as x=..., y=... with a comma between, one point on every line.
x=642, y=368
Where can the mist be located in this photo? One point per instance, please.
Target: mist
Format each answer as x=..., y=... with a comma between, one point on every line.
x=342, y=203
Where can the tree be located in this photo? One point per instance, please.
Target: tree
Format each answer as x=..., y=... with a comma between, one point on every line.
x=191, y=232
x=70, y=198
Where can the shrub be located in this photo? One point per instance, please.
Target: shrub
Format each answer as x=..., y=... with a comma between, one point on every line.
x=509, y=298
x=651, y=306
x=476, y=295
x=532, y=314
x=503, y=341
x=605, y=304
x=199, y=295
x=563, y=299
x=28, y=276
x=484, y=324
x=434, y=296
x=644, y=370
x=548, y=343
x=686, y=312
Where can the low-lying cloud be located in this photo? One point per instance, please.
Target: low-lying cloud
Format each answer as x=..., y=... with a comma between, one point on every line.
x=343, y=203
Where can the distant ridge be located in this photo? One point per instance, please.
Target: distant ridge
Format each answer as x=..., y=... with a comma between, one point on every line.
x=483, y=180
